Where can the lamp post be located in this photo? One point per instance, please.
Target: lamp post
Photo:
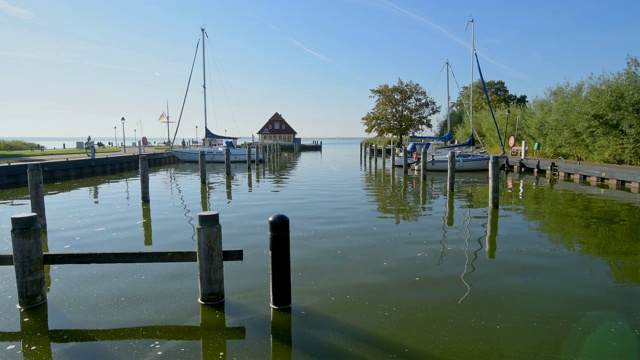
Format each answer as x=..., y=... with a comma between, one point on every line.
x=141, y=135
x=197, y=134
x=115, y=136
x=124, y=140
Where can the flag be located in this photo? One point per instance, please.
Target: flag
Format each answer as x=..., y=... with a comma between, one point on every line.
x=163, y=117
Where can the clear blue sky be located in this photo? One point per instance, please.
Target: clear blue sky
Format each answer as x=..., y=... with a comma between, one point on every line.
x=73, y=68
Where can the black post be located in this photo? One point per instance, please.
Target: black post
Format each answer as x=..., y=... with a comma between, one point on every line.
x=280, y=256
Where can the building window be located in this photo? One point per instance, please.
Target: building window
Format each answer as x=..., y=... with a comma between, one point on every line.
x=283, y=126
x=269, y=126
x=276, y=125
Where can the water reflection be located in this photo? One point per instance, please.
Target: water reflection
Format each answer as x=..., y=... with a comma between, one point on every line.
x=36, y=336
x=146, y=223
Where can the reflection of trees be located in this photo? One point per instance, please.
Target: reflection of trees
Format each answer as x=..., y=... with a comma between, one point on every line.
x=593, y=226
x=406, y=197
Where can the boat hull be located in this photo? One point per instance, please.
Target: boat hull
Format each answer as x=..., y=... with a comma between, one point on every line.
x=214, y=155
x=464, y=162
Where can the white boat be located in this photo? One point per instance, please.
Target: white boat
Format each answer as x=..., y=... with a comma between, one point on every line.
x=214, y=146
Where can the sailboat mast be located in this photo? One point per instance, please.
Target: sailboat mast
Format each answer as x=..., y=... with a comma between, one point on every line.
x=204, y=84
x=448, y=101
x=473, y=50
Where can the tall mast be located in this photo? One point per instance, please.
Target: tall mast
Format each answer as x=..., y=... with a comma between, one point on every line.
x=204, y=84
x=448, y=101
x=473, y=50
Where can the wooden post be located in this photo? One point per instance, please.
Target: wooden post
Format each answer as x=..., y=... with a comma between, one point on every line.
x=210, y=262
x=384, y=154
x=203, y=167
x=451, y=170
x=405, y=165
x=523, y=153
x=494, y=185
x=144, y=178
x=227, y=161
x=279, y=253
x=36, y=192
x=249, y=157
x=393, y=156
x=375, y=155
x=257, y=146
x=28, y=259
x=361, y=152
x=423, y=164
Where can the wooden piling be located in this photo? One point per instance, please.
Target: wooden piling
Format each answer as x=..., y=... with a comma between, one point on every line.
x=28, y=259
x=393, y=156
x=279, y=254
x=405, y=164
x=494, y=182
x=375, y=155
x=451, y=170
x=227, y=161
x=203, y=167
x=423, y=164
x=249, y=157
x=210, y=258
x=144, y=178
x=36, y=192
x=384, y=154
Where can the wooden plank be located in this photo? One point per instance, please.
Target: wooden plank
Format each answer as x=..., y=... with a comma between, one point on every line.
x=125, y=257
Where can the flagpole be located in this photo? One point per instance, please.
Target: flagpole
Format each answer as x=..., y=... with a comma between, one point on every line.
x=168, y=135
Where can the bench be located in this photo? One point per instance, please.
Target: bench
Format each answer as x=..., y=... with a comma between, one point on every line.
x=39, y=147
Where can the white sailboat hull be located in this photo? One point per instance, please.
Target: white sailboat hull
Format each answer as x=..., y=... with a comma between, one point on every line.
x=464, y=162
x=214, y=155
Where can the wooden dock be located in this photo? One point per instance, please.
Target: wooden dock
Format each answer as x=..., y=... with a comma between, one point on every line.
x=615, y=176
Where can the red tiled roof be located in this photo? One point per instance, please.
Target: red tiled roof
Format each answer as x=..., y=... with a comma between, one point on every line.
x=270, y=126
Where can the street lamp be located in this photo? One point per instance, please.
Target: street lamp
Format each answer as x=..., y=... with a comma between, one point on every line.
x=124, y=141
x=135, y=137
x=141, y=134
x=115, y=136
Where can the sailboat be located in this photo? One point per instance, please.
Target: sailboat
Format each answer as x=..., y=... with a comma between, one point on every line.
x=214, y=146
x=467, y=157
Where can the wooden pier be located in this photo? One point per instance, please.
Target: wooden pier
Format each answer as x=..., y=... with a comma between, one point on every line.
x=615, y=176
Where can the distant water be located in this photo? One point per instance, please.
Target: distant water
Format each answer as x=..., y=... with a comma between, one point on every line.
x=382, y=266
x=60, y=142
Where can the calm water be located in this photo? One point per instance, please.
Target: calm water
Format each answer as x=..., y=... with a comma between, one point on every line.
x=382, y=267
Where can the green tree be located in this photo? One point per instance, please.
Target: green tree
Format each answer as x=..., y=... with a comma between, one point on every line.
x=400, y=110
x=498, y=93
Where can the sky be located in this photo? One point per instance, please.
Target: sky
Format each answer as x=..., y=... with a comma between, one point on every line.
x=75, y=68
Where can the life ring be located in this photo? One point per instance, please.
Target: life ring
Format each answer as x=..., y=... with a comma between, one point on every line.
x=415, y=155
x=512, y=141
x=145, y=142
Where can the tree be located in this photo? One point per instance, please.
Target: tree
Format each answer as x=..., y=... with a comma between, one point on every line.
x=400, y=110
x=498, y=93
